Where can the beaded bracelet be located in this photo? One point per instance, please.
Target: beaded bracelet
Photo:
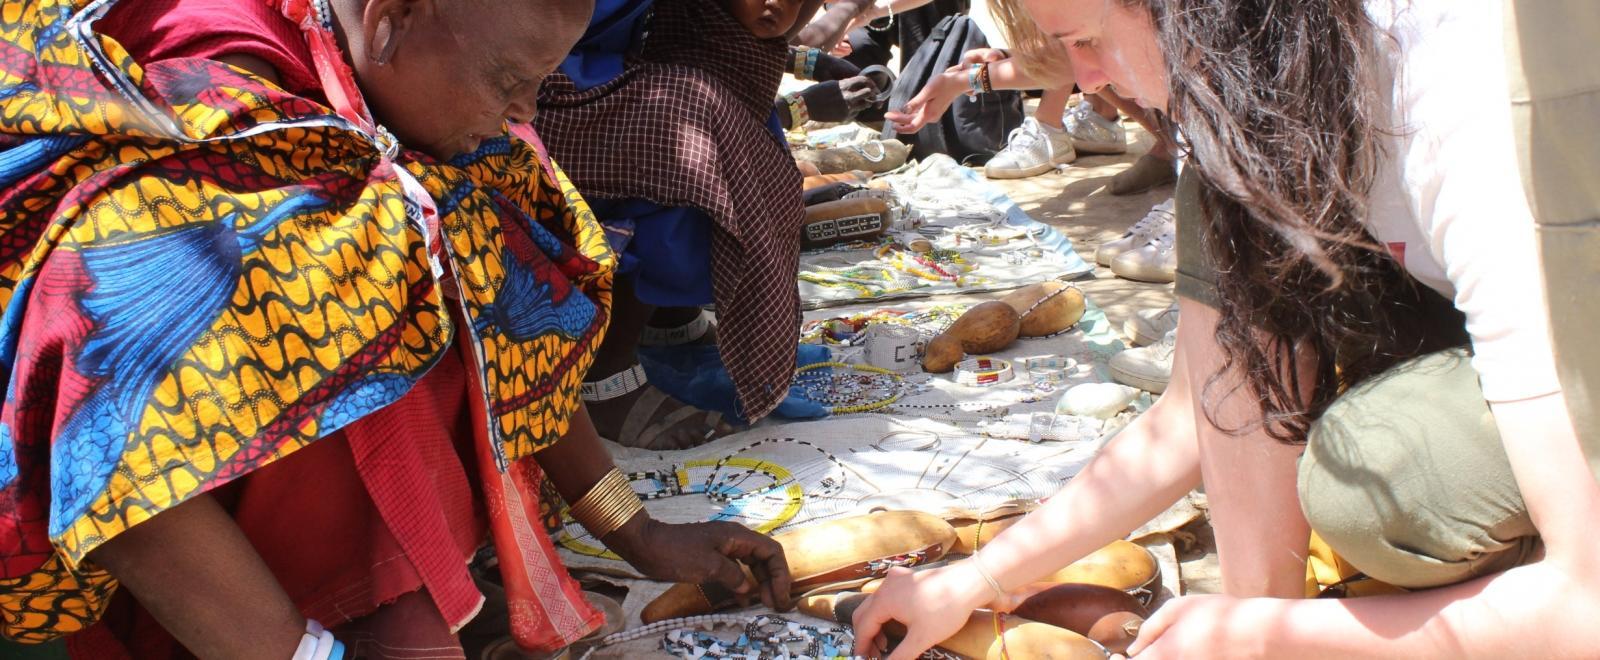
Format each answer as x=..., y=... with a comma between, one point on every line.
x=318, y=644
x=985, y=86
x=983, y=371
x=804, y=65
x=798, y=113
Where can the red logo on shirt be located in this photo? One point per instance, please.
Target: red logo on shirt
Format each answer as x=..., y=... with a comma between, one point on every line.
x=1397, y=249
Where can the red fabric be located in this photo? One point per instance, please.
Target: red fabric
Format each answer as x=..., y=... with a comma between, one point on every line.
x=379, y=513
x=155, y=30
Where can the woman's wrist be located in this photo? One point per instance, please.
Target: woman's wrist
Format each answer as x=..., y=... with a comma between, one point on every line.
x=971, y=588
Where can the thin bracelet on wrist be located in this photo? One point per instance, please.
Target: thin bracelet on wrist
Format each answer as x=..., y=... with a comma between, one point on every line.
x=994, y=584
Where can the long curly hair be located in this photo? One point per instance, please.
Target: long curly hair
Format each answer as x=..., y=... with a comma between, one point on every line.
x=1285, y=125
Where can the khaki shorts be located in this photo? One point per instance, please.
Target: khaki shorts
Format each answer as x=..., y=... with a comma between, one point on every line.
x=1404, y=476
x=1555, y=97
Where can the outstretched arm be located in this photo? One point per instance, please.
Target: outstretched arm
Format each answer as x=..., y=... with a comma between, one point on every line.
x=1137, y=475
x=942, y=90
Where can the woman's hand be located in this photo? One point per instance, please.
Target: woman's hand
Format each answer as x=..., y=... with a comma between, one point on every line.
x=1209, y=627
x=931, y=103
x=932, y=605
x=706, y=552
x=982, y=55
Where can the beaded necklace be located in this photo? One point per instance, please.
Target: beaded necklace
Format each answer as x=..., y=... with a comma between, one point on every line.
x=763, y=637
x=715, y=484
x=848, y=388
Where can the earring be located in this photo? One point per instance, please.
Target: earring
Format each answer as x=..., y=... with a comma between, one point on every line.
x=384, y=42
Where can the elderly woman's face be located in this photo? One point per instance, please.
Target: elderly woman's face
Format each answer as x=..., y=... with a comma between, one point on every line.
x=444, y=75
x=1110, y=42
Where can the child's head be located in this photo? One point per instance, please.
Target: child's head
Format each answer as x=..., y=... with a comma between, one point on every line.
x=766, y=19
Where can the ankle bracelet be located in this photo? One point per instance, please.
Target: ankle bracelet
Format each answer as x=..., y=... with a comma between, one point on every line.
x=618, y=384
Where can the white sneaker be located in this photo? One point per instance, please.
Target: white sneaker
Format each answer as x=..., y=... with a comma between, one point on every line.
x=1093, y=134
x=1155, y=262
x=1147, y=368
x=1148, y=326
x=1158, y=220
x=1030, y=150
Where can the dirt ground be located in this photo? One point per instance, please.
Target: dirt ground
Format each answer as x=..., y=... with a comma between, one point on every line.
x=1077, y=202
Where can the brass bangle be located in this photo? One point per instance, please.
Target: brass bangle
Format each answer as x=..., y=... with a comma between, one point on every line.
x=608, y=505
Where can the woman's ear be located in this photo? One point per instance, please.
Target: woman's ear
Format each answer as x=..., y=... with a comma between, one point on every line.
x=385, y=23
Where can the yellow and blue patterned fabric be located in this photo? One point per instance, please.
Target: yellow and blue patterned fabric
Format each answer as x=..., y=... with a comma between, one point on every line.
x=201, y=274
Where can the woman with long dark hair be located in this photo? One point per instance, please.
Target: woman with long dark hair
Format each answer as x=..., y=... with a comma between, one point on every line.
x=1364, y=349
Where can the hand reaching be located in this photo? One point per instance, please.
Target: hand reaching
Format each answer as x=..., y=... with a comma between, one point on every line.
x=932, y=604
x=706, y=552
x=929, y=104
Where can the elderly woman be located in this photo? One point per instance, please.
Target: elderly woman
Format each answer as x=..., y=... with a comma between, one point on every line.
x=1364, y=350
x=293, y=329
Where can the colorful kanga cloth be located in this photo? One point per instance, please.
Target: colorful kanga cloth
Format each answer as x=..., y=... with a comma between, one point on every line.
x=685, y=125
x=201, y=274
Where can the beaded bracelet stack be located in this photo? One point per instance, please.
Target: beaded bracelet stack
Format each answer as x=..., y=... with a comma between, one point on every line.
x=798, y=113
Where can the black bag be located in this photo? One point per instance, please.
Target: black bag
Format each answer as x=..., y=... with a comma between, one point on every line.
x=974, y=128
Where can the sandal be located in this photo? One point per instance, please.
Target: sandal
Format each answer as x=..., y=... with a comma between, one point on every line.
x=641, y=428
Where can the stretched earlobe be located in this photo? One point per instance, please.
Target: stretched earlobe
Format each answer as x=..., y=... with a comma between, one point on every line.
x=384, y=42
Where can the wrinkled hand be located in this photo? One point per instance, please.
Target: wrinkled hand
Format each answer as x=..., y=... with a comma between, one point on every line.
x=833, y=68
x=839, y=100
x=1209, y=627
x=706, y=552
x=931, y=604
x=981, y=55
x=929, y=104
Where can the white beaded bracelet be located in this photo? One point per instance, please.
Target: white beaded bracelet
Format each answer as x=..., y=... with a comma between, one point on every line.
x=983, y=371
x=615, y=385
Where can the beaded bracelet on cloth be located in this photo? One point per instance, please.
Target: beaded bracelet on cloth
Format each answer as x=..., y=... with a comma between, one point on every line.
x=608, y=505
x=983, y=371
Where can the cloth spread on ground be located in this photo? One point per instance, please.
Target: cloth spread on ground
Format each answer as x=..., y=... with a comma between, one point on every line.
x=261, y=280
x=832, y=467
x=980, y=239
x=684, y=125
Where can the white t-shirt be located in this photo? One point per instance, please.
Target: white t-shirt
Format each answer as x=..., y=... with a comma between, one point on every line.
x=1448, y=200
